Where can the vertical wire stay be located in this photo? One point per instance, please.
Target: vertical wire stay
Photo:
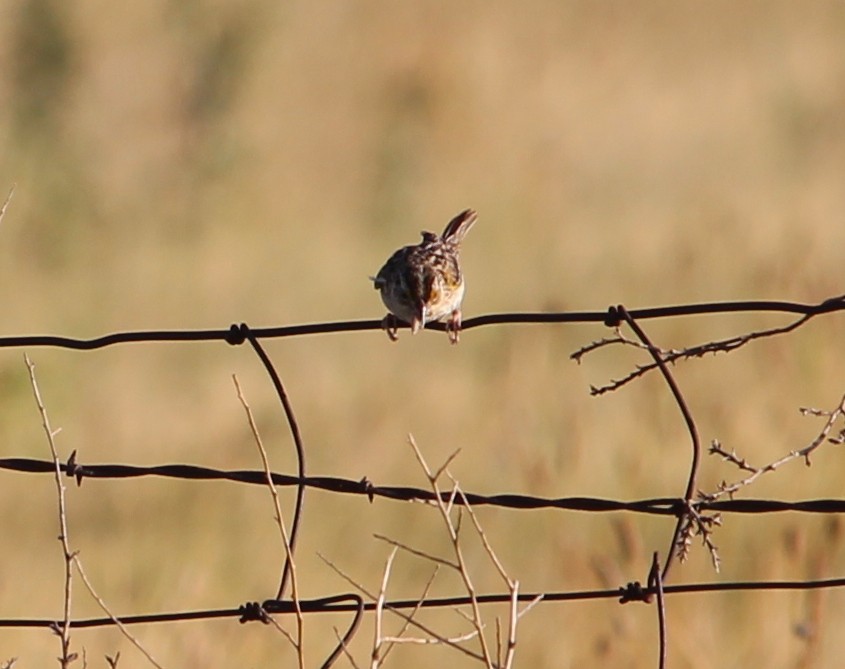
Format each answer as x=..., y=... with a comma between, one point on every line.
x=655, y=582
x=343, y=643
x=300, y=454
x=690, y=423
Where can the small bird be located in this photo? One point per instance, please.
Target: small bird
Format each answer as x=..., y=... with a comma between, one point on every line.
x=424, y=283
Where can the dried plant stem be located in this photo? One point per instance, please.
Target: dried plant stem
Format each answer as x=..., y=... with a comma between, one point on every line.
x=300, y=626
x=512, y=585
x=416, y=552
x=756, y=472
x=114, y=618
x=7, y=201
x=378, y=639
x=344, y=649
x=671, y=356
x=399, y=636
x=453, y=529
x=435, y=638
x=62, y=629
x=71, y=558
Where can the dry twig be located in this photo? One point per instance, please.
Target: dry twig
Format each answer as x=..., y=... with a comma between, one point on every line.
x=742, y=464
x=434, y=637
x=71, y=558
x=453, y=529
x=63, y=628
x=377, y=632
x=115, y=619
x=399, y=637
x=3, y=210
x=699, y=524
x=671, y=356
x=300, y=625
x=344, y=649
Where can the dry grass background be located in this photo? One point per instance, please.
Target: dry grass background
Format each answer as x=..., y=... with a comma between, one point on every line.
x=193, y=164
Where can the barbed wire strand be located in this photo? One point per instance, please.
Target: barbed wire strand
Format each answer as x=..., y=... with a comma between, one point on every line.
x=341, y=603
x=660, y=506
x=682, y=509
x=234, y=336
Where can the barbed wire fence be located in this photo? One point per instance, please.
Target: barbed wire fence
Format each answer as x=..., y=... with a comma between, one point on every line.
x=697, y=513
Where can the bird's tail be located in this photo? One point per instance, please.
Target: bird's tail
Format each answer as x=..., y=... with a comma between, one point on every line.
x=459, y=226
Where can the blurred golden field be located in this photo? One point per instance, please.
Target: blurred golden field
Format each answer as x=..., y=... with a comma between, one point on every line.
x=190, y=164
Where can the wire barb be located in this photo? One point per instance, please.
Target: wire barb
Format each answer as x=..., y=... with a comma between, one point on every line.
x=697, y=513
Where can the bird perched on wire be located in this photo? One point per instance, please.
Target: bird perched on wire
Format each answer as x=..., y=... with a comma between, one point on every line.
x=424, y=283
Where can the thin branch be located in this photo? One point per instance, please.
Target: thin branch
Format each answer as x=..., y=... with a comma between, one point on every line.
x=300, y=453
x=108, y=612
x=454, y=537
x=416, y=552
x=536, y=599
x=803, y=453
x=300, y=625
x=377, y=634
x=7, y=201
x=343, y=643
x=435, y=637
x=443, y=468
x=399, y=636
x=488, y=548
x=512, y=621
x=673, y=355
x=512, y=585
x=281, y=630
x=698, y=524
x=63, y=630
x=344, y=649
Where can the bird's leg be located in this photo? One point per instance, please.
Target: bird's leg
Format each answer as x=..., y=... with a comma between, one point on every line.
x=453, y=326
x=390, y=326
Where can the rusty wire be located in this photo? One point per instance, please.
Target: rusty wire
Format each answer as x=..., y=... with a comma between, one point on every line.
x=687, y=510
x=236, y=334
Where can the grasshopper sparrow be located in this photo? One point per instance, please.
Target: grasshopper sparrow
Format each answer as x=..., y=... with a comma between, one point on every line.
x=424, y=283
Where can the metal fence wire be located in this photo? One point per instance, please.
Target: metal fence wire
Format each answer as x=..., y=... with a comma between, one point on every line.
x=696, y=513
